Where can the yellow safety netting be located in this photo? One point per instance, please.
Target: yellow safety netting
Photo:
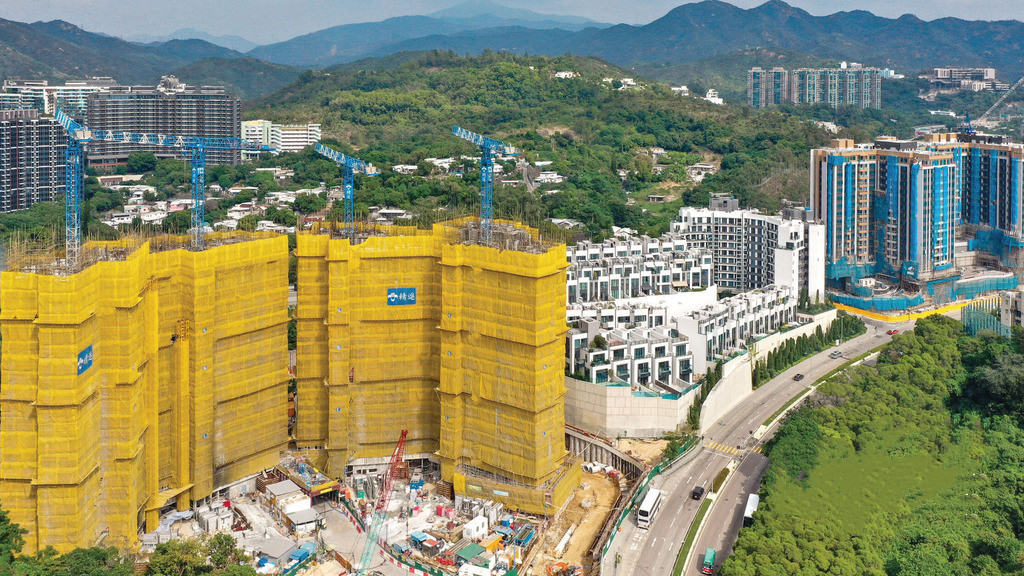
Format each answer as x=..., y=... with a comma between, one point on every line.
x=146, y=376
x=473, y=369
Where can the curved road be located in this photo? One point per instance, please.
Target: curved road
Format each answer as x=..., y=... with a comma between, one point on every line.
x=652, y=552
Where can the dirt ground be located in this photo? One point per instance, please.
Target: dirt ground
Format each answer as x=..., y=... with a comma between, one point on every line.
x=647, y=450
x=592, y=502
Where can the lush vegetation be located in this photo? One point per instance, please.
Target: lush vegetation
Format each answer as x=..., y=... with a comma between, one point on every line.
x=214, y=556
x=912, y=467
x=403, y=114
x=794, y=350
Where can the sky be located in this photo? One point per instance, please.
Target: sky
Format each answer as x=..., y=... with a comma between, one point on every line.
x=266, y=21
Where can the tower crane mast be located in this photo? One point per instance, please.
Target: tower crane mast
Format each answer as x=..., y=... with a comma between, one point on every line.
x=488, y=148
x=194, y=148
x=376, y=520
x=349, y=166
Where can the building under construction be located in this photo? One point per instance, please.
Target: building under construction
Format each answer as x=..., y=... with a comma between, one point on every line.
x=461, y=344
x=151, y=375
x=146, y=379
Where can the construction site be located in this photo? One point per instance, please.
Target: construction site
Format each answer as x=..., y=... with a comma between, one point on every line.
x=145, y=387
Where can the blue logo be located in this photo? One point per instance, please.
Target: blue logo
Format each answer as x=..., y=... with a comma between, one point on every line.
x=401, y=296
x=84, y=360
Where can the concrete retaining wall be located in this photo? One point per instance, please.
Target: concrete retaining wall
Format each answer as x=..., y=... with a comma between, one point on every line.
x=736, y=384
x=615, y=411
x=592, y=448
x=737, y=374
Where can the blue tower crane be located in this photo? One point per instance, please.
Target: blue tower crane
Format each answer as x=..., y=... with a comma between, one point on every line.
x=194, y=148
x=350, y=166
x=488, y=148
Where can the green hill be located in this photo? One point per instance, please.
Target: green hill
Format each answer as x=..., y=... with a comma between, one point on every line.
x=247, y=77
x=403, y=113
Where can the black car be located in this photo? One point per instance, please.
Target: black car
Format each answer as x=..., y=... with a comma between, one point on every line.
x=798, y=377
x=697, y=493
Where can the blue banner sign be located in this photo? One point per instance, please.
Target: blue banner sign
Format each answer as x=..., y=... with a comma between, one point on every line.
x=401, y=296
x=85, y=360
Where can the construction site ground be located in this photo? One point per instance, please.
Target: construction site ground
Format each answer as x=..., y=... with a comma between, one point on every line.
x=589, y=509
x=649, y=451
x=342, y=536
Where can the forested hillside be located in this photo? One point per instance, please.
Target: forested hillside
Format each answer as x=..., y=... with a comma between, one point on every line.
x=402, y=114
x=912, y=467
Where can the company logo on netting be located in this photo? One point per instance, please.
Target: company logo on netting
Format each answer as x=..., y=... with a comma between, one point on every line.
x=401, y=296
x=84, y=360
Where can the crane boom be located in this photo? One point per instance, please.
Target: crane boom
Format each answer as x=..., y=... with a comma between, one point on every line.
x=380, y=508
x=1001, y=99
x=349, y=166
x=488, y=147
x=194, y=148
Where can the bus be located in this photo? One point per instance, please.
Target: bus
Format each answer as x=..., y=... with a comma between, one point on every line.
x=648, y=509
x=709, y=562
x=748, y=515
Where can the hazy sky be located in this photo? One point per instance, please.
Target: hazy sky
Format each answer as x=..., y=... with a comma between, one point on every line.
x=264, y=21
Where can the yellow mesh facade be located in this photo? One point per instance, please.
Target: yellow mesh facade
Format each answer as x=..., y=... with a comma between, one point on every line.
x=474, y=370
x=88, y=451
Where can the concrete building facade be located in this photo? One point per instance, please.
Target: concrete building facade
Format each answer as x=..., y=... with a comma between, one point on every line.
x=71, y=97
x=718, y=330
x=851, y=86
x=751, y=250
x=767, y=87
x=169, y=108
x=634, y=266
x=280, y=137
x=895, y=207
x=32, y=162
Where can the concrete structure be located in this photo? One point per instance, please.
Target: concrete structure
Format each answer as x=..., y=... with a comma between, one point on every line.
x=1011, y=307
x=613, y=409
x=749, y=249
x=71, y=97
x=724, y=328
x=465, y=342
x=895, y=207
x=280, y=137
x=848, y=86
x=169, y=108
x=655, y=358
x=144, y=380
x=767, y=87
x=31, y=159
x=634, y=266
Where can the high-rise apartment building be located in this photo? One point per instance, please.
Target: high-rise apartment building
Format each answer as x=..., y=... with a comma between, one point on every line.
x=71, y=97
x=31, y=159
x=893, y=206
x=749, y=250
x=767, y=87
x=170, y=108
x=852, y=85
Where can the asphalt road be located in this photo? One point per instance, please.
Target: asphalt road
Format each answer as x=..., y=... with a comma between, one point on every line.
x=652, y=552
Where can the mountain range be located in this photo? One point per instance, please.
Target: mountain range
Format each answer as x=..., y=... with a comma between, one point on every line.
x=705, y=29
x=350, y=42
x=693, y=32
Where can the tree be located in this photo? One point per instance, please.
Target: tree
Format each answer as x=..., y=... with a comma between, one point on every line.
x=599, y=342
x=139, y=162
x=248, y=223
x=11, y=539
x=309, y=203
x=178, y=558
x=177, y=222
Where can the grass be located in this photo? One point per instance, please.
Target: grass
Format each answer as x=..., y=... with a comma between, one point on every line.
x=691, y=535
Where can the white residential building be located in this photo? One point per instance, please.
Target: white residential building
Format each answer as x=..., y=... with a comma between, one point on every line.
x=565, y=75
x=655, y=359
x=713, y=97
x=280, y=137
x=404, y=168
x=752, y=250
x=681, y=90
x=549, y=178
x=634, y=266
x=718, y=330
x=71, y=97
